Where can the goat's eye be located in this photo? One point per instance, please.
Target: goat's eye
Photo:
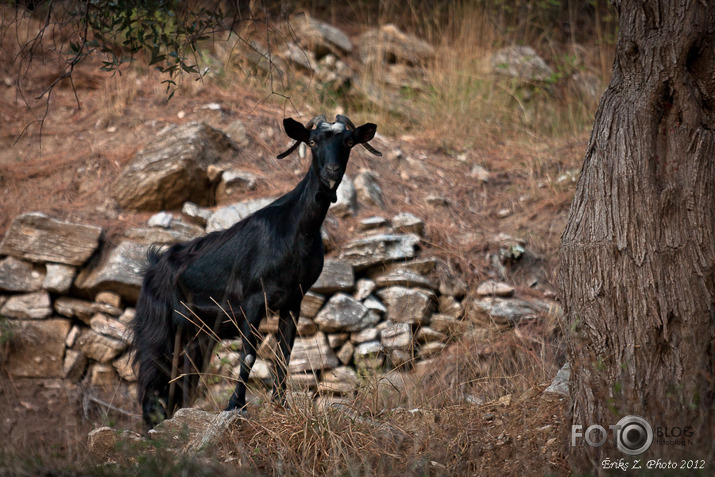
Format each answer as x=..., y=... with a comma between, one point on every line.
x=311, y=143
x=349, y=143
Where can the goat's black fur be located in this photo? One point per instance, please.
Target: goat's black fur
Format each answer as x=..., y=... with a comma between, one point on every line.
x=222, y=284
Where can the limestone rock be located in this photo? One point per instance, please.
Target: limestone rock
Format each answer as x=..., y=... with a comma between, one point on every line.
x=406, y=223
x=372, y=303
x=319, y=37
x=29, y=306
x=74, y=365
x=388, y=44
x=74, y=308
x=119, y=271
x=163, y=219
x=372, y=223
x=20, y=276
x=559, y=387
x=187, y=424
x=311, y=304
x=58, y=278
x=336, y=340
x=343, y=313
x=306, y=326
x=494, y=288
x=196, y=214
x=98, y=347
x=365, y=252
x=178, y=232
x=110, y=327
x=234, y=181
x=345, y=353
x=38, y=238
x=447, y=324
x=337, y=275
x=369, y=355
x=404, y=278
x=520, y=62
x=427, y=334
x=37, y=348
x=368, y=334
x=107, y=444
x=341, y=380
x=171, y=170
x=108, y=298
x=363, y=288
x=311, y=354
x=369, y=191
x=225, y=217
x=508, y=312
x=346, y=198
x=396, y=336
x=407, y=305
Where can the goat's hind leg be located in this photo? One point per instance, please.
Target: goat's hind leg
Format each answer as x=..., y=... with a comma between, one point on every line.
x=253, y=312
x=287, y=329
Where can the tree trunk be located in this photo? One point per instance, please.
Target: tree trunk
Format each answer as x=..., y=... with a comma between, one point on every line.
x=637, y=260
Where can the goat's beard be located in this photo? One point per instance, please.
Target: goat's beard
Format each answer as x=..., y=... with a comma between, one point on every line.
x=331, y=195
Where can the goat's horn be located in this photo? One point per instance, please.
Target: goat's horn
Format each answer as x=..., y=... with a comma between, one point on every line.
x=313, y=122
x=349, y=124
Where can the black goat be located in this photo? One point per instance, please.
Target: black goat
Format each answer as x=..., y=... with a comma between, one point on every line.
x=229, y=280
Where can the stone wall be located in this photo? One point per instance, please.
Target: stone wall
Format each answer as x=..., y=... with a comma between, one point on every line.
x=67, y=297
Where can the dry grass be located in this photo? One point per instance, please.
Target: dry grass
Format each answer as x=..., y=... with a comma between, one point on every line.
x=460, y=413
x=526, y=143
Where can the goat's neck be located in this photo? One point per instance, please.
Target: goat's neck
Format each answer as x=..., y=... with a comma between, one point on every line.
x=312, y=204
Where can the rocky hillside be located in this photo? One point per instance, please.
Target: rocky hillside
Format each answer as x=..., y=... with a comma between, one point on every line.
x=440, y=261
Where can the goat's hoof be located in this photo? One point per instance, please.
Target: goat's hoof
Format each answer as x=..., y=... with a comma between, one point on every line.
x=241, y=411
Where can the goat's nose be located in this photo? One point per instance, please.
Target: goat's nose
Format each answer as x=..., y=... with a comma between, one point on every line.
x=332, y=168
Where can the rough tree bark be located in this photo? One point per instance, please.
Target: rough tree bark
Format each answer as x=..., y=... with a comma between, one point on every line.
x=637, y=260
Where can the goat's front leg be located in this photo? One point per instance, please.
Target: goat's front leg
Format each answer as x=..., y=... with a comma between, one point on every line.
x=287, y=328
x=249, y=334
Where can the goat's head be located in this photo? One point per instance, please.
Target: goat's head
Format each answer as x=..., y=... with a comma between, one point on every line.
x=330, y=144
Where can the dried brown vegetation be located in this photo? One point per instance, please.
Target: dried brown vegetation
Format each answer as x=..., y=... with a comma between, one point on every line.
x=532, y=150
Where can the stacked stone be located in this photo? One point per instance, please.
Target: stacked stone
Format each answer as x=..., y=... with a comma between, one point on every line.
x=66, y=298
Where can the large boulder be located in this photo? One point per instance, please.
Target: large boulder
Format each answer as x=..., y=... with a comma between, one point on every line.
x=38, y=238
x=172, y=170
x=37, y=348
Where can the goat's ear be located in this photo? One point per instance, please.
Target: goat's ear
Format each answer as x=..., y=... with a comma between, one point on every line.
x=365, y=133
x=295, y=130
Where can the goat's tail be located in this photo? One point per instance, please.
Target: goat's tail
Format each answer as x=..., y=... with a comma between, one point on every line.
x=155, y=335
